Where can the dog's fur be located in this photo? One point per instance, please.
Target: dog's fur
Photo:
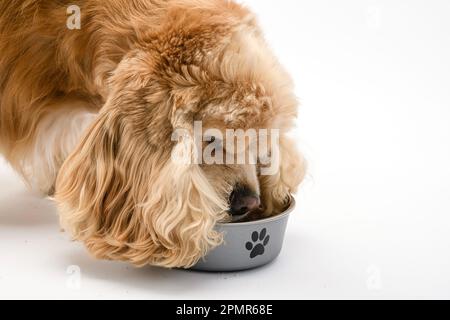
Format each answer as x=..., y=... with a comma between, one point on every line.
x=88, y=115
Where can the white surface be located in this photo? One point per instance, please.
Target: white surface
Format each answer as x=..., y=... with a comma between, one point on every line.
x=374, y=217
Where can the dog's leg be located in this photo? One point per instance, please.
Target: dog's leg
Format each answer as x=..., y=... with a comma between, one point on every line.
x=55, y=136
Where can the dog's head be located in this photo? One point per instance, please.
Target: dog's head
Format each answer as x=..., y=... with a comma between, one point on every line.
x=139, y=187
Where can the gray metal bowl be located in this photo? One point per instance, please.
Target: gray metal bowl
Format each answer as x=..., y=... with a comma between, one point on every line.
x=247, y=245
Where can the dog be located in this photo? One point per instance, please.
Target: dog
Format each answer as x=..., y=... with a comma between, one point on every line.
x=88, y=114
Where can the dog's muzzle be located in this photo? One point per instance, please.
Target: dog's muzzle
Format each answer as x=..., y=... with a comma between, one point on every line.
x=243, y=201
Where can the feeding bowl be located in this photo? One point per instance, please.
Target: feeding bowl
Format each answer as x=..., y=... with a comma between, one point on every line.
x=247, y=245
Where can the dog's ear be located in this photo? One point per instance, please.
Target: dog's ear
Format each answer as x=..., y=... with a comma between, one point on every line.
x=277, y=188
x=126, y=199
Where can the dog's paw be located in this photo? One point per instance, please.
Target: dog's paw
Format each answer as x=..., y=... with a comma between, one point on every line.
x=259, y=242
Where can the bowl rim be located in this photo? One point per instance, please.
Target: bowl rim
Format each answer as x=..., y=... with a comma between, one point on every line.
x=281, y=216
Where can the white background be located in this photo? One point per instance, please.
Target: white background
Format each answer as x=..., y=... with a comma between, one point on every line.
x=373, y=219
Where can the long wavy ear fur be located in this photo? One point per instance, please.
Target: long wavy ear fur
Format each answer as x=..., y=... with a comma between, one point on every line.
x=127, y=200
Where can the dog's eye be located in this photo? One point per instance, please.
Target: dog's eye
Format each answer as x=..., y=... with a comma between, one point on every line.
x=213, y=140
x=215, y=143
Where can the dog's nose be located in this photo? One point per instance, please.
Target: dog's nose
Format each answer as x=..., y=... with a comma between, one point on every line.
x=243, y=201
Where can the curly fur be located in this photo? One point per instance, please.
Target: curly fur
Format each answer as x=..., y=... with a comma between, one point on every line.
x=136, y=71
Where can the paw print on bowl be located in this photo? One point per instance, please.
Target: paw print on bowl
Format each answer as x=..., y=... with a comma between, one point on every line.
x=258, y=243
